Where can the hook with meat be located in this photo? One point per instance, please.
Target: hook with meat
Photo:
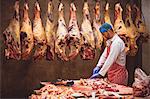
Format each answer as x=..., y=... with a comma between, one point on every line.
x=38, y=34
x=98, y=38
x=50, y=33
x=60, y=43
x=73, y=37
x=106, y=15
x=12, y=36
x=88, y=43
x=26, y=34
x=119, y=26
x=107, y=18
x=132, y=32
x=140, y=25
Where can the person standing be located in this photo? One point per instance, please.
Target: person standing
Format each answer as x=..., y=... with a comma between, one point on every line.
x=113, y=59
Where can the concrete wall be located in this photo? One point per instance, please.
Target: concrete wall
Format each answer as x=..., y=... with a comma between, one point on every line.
x=20, y=78
x=146, y=46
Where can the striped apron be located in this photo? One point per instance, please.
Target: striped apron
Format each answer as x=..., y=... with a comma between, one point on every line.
x=117, y=74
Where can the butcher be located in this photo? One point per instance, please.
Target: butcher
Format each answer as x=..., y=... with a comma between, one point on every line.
x=113, y=59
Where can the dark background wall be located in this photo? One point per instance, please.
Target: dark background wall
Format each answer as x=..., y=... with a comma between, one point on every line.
x=20, y=78
x=145, y=5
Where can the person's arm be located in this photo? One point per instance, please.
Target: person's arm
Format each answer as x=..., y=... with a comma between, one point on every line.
x=102, y=58
x=100, y=62
x=113, y=54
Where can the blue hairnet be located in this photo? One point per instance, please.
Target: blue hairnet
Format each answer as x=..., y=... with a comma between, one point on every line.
x=105, y=27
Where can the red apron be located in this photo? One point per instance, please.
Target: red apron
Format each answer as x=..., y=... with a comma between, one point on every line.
x=117, y=74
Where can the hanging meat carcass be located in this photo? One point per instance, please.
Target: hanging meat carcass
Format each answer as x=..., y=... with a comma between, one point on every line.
x=106, y=15
x=60, y=43
x=39, y=34
x=119, y=26
x=96, y=24
x=50, y=34
x=107, y=18
x=131, y=32
x=12, y=36
x=26, y=34
x=140, y=25
x=88, y=45
x=73, y=37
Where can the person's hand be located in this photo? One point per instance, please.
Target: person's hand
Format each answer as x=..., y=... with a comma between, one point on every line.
x=96, y=70
x=97, y=75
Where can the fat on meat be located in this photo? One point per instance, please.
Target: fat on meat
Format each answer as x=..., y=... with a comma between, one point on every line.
x=88, y=44
x=50, y=32
x=26, y=34
x=38, y=34
x=62, y=32
x=12, y=36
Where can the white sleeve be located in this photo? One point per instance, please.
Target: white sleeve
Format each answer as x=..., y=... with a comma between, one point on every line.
x=113, y=54
x=102, y=58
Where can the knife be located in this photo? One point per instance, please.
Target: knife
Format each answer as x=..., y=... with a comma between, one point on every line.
x=67, y=83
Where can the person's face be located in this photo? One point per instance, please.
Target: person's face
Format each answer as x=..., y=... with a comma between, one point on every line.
x=107, y=35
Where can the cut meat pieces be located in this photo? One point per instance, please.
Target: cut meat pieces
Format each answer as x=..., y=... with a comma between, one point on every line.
x=96, y=25
x=26, y=34
x=60, y=43
x=88, y=44
x=73, y=38
x=12, y=36
x=54, y=92
x=39, y=34
x=132, y=32
x=50, y=33
x=102, y=84
x=141, y=85
x=82, y=87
